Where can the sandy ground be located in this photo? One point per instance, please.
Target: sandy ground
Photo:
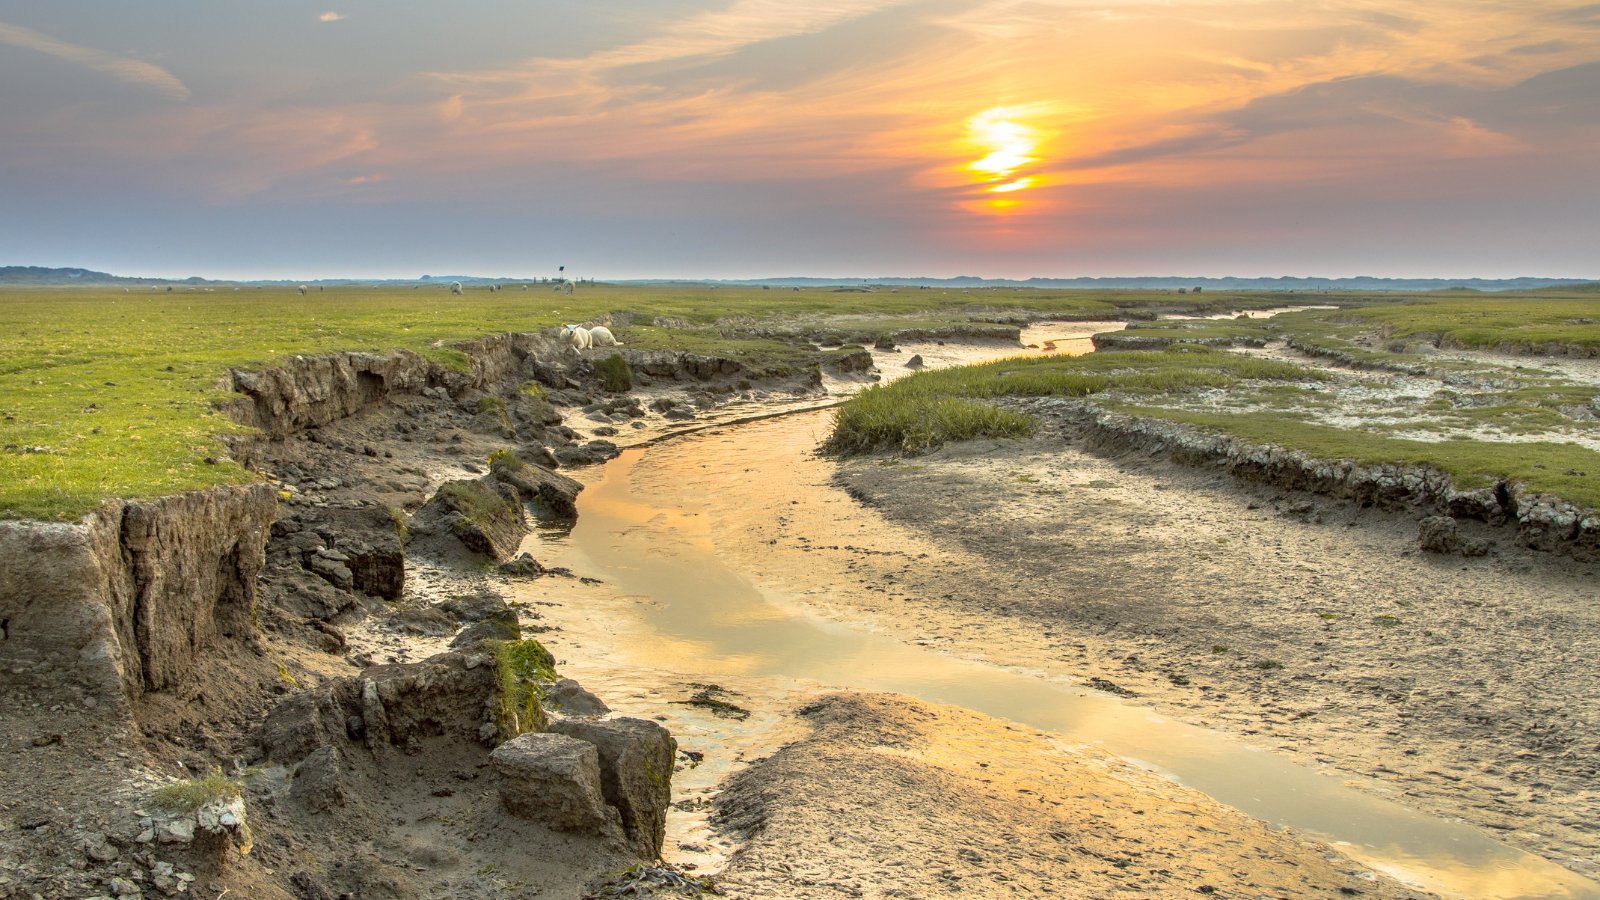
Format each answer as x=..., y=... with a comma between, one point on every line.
x=890, y=797
x=1308, y=626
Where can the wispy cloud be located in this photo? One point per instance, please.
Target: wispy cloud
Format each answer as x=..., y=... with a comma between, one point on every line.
x=710, y=34
x=331, y=17
x=132, y=71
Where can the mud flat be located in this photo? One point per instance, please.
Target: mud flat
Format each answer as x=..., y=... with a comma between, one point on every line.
x=1309, y=625
x=889, y=797
x=727, y=558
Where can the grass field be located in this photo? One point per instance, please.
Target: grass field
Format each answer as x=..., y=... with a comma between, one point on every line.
x=111, y=394
x=1522, y=322
x=1480, y=421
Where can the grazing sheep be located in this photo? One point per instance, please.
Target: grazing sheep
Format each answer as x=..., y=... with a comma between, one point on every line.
x=455, y=287
x=578, y=336
x=302, y=290
x=601, y=336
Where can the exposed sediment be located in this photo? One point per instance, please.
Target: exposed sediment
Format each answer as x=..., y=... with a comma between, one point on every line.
x=124, y=601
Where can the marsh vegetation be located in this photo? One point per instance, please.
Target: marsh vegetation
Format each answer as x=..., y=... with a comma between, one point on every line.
x=111, y=394
x=1391, y=394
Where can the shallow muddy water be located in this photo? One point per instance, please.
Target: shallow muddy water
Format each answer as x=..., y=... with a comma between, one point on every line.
x=694, y=588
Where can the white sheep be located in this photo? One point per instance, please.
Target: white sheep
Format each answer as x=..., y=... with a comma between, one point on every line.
x=601, y=336
x=302, y=290
x=455, y=287
x=579, y=338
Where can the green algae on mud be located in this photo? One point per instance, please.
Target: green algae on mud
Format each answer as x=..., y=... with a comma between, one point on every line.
x=524, y=669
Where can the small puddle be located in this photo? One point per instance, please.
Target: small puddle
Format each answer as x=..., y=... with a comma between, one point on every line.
x=658, y=526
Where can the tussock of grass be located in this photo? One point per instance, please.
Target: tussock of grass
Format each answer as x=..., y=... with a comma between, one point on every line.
x=929, y=409
x=522, y=671
x=191, y=794
x=878, y=420
x=615, y=376
x=477, y=503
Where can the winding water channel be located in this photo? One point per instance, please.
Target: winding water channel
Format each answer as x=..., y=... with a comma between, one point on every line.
x=674, y=533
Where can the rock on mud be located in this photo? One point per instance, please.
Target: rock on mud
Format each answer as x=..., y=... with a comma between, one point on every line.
x=636, y=758
x=538, y=485
x=444, y=697
x=483, y=514
x=554, y=780
x=570, y=698
x=1437, y=534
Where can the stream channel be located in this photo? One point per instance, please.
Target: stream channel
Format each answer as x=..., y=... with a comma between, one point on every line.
x=683, y=587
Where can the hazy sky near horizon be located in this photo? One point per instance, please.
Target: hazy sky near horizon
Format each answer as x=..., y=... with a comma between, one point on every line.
x=738, y=138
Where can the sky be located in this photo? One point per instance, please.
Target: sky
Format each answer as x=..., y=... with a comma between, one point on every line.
x=751, y=138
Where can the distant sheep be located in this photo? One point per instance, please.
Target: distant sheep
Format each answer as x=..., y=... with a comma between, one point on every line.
x=455, y=287
x=578, y=336
x=601, y=336
x=302, y=290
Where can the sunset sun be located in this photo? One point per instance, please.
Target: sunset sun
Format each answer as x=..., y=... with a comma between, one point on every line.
x=1008, y=146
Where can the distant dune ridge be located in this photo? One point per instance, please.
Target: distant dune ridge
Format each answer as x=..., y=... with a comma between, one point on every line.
x=39, y=276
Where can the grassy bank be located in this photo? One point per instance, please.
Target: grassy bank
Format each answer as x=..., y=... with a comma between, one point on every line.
x=1560, y=469
x=1507, y=425
x=1559, y=320
x=110, y=394
x=929, y=409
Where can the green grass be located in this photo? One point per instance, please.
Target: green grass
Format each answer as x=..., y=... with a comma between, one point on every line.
x=191, y=794
x=1204, y=331
x=929, y=409
x=1266, y=402
x=108, y=394
x=878, y=420
x=761, y=356
x=615, y=376
x=1519, y=323
x=523, y=669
